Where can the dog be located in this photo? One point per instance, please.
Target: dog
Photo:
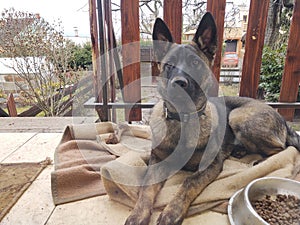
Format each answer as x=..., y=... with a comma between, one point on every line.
x=195, y=132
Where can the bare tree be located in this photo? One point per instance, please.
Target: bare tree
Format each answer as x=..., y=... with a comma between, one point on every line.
x=40, y=56
x=193, y=12
x=278, y=19
x=149, y=10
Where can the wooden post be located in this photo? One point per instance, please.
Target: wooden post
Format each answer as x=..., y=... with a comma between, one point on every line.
x=131, y=56
x=94, y=39
x=254, y=47
x=95, y=54
x=173, y=18
x=291, y=74
x=217, y=9
x=11, y=106
x=105, y=116
x=110, y=49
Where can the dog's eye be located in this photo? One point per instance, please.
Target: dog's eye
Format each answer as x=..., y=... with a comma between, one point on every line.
x=168, y=66
x=195, y=62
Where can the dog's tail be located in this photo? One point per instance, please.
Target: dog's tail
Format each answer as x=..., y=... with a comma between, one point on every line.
x=293, y=138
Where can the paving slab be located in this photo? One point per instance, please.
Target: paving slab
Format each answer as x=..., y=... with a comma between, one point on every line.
x=98, y=210
x=103, y=211
x=37, y=149
x=40, y=124
x=10, y=142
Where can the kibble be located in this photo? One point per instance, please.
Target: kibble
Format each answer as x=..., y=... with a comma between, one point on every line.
x=279, y=209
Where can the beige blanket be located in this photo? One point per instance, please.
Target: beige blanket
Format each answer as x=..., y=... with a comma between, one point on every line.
x=236, y=175
x=85, y=149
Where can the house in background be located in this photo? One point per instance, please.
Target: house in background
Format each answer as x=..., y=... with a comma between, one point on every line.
x=235, y=27
x=234, y=31
x=9, y=77
x=189, y=35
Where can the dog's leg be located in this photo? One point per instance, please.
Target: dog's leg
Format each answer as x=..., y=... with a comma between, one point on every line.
x=176, y=210
x=141, y=213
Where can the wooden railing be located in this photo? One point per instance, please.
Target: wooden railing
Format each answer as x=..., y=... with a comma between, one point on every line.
x=173, y=16
x=66, y=109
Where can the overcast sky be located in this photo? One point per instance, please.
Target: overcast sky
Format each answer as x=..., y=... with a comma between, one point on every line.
x=72, y=13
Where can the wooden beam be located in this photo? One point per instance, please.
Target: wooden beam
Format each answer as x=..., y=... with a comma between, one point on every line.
x=131, y=56
x=217, y=9
x=110, y=49
x=94, y=40
x=3, y=113
x=291, y=74
x=104, y=115
x=95, y=54
x=11, y=106
x=32, y=111
x=254, y=47
x=173, y=18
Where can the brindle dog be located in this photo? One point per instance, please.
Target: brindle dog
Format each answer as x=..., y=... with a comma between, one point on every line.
x=195, y=132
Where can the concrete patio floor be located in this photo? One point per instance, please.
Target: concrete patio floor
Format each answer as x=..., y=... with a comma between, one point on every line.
x=34, y=139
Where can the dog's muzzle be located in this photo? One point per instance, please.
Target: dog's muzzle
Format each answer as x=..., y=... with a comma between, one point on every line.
x=179, y=81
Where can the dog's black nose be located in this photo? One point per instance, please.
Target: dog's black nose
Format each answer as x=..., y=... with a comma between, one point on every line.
x=179, y=81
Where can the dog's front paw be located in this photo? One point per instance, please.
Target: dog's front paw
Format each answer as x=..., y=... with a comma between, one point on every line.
x=137, y=219
x=169, y=217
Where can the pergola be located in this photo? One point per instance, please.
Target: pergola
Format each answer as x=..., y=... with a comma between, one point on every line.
x=104, y=57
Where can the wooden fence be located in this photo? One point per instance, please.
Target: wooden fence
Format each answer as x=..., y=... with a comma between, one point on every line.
x=173, y=17
x=66, y=109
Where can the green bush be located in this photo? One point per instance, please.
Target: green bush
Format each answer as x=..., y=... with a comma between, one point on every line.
x=81, y=56
x=271, y=72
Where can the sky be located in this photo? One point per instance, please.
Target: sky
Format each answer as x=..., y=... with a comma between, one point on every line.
x=72, y=13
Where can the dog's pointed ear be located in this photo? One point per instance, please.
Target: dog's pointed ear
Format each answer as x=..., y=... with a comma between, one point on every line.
x=161, y=31
x=162, y=39
x=206, y=36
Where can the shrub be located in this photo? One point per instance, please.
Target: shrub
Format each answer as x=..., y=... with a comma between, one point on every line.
x=271, y=72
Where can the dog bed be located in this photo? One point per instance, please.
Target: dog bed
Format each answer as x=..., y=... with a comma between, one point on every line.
x=90, y=161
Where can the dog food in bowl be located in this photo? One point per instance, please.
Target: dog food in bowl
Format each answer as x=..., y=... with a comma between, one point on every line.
x=279, y=209
x=266, y=201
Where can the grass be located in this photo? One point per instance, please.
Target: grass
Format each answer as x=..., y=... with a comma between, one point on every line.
x=229, y=90
x=295, y=125
x=21, y=109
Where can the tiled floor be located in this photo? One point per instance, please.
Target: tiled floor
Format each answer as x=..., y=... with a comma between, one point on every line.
x=35, y=207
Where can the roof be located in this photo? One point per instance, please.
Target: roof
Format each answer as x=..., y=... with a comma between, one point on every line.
x=79, y=40
x=5, y=64
x=190, y=32
x=4, y=69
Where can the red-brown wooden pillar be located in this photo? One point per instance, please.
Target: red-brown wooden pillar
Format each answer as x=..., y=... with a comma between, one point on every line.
x=11, y=106
x=131, y=56
x=173, y=18
x=95, y=54
x=254, y=45
x=291, y=74
x=217, y=9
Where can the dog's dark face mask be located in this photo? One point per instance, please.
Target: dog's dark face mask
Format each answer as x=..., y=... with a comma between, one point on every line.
x=185, y=69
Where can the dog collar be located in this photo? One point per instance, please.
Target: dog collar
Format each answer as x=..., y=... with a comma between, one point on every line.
x=183, y=116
